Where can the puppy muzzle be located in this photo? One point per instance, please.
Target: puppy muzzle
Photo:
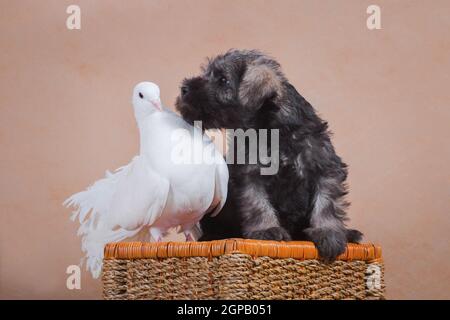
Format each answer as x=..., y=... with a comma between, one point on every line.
x=192, y=86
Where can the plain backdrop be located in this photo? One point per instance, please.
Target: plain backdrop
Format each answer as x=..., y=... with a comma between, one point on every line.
x=66, y=117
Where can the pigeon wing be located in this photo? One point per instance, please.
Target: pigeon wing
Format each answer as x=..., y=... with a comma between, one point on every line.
x=140, y=196
x=221, y=184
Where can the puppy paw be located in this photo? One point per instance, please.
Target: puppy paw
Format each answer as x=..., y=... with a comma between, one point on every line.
x=329, y=242
x=353, y=235
x=275, y=233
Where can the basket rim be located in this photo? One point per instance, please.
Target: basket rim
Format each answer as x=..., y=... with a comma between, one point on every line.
x=301, y=250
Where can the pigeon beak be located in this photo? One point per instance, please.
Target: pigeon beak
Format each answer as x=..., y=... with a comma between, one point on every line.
x=157, y=104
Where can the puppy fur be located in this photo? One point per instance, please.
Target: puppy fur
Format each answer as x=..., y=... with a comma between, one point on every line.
x=305, y=200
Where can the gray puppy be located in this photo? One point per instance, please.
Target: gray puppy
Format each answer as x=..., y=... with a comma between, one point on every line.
x=304, y=200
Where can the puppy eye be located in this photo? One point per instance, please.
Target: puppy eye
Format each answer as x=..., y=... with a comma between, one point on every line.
x=224, y=80
x=141, y=95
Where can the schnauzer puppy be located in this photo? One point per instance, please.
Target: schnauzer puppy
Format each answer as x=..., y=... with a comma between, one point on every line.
x=304, y=200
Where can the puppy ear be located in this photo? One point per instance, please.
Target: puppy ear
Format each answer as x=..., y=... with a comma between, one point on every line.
x=260, y=82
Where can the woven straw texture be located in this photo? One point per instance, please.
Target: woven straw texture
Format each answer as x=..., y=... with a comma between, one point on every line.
x=239, y=269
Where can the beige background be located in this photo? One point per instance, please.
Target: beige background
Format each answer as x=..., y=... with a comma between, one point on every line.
x=66, y=116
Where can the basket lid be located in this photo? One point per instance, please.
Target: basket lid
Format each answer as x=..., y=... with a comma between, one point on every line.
x=302, y=250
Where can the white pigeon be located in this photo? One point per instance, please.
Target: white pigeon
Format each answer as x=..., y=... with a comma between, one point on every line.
x=161, y=188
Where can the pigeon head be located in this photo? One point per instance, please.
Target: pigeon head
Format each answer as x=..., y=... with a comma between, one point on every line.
x=146, y=99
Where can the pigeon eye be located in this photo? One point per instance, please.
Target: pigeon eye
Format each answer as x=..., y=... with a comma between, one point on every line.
x=141, y=95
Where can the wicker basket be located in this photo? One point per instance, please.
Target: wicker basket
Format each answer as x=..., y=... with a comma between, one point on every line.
x=239, y=269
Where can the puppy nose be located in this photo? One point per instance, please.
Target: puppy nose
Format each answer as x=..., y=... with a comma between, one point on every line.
x=184, y=90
